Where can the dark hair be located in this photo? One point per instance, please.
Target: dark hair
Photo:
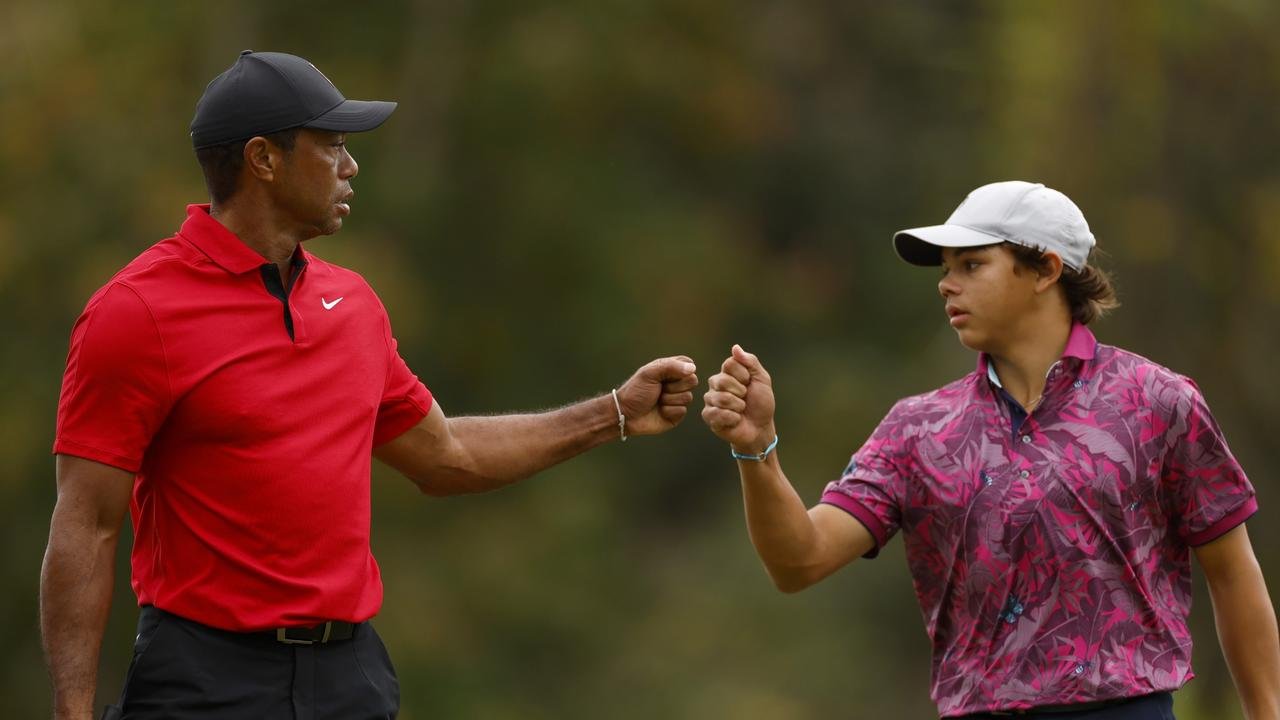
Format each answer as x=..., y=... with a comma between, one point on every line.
x=222, y=163
x=1088, y=292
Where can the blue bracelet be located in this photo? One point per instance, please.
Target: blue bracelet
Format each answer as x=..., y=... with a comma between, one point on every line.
x=757, y=458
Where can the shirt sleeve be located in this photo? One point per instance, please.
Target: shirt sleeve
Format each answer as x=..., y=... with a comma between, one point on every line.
x=1208, y=489
x=115, y=389
x=405, y=400
x=873, y=484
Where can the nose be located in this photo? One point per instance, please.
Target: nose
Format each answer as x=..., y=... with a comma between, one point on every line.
x=947, y=286
x=348, y=167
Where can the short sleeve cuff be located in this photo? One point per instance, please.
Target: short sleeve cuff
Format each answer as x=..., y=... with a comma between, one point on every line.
x=63, y=446
x=396, y=417
x=862, y=515
x=1225, y=525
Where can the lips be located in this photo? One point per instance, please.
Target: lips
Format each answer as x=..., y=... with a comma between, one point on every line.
x=956, y=315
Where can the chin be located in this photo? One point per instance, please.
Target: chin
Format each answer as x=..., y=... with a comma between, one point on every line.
x=973, y=340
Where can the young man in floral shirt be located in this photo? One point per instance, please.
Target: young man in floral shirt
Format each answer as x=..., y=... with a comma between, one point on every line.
x=1049, y=500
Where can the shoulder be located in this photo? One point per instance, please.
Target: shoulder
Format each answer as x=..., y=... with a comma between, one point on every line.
x=1122, y=372
x=167, y=256
x=320, y=266
x=126, y=292
x=116, y=337
x=152, y=273
x=339, y=276
x=921, y=415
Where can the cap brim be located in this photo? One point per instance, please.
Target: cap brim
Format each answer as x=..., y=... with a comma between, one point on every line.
x=354, y=116
x=923, y=246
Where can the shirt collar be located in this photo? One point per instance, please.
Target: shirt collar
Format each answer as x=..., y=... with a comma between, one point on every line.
x=221, y=245
x=1081, y=345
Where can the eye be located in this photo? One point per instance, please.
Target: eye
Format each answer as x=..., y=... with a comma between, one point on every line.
x=972, y=265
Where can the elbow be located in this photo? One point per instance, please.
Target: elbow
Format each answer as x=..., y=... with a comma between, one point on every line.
x=440, y=485
x=792, y=578
x=790, y=581
x=789, y=586
x=456, y=482
x=428, y=488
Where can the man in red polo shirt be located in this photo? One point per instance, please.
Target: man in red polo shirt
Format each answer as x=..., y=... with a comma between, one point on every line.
x=228, y=388
x=1048, y=500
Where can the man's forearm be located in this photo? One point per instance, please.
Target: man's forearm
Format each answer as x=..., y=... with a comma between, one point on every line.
x=1246, y=623
x=778, y=522
x=75, y=597
x=502, y=449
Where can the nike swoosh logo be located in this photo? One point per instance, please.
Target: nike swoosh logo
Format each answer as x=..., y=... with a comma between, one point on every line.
x=329, y=305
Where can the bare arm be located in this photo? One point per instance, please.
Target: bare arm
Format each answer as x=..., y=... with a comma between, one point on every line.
x=77, y=577
x=445, y=456
x=799, y=547
x=1246, y=621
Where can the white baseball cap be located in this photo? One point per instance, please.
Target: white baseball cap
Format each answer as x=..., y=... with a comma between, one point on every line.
x=1024, y=213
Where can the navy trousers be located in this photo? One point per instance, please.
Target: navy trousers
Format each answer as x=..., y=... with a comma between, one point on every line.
x=1158, y=706
x=182, y=669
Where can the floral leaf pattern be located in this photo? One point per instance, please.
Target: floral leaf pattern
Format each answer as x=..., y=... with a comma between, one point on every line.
x=1051, y=561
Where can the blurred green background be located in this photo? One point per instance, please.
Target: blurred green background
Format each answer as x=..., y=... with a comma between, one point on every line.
x=569, y=189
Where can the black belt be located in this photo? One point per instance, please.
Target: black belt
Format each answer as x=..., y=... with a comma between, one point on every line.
x=314, y=634
x=326, y=632
x=1062, y=709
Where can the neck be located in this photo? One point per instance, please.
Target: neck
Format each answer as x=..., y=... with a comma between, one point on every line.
x=260, y=229
x=1023, y=361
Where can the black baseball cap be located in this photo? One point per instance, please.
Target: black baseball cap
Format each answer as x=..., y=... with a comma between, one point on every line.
x=265, y=92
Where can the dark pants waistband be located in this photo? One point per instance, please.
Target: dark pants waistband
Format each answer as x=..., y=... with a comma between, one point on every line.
x=1155, y=706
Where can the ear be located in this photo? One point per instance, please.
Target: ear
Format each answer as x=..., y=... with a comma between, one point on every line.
x=1049, y=272
x=262, y=159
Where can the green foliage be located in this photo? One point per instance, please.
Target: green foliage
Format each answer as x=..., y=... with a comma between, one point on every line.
x=569, y=189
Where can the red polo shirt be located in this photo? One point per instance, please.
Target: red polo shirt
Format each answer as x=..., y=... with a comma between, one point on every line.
x=248, y=409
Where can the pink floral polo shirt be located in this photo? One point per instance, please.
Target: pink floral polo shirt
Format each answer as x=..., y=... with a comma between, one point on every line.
x=1050, y=553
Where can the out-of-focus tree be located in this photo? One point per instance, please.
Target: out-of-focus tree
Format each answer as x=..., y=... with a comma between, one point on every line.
x=570, y=188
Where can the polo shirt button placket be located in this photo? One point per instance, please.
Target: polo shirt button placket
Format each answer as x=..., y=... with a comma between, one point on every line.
x=1026, y=439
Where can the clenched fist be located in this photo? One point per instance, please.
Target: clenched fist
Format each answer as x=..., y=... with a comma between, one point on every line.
x=739, y=406
x=657, y=396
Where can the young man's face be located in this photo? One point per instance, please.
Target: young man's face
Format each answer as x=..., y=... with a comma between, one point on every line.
x=316, y=181
x=986, y=295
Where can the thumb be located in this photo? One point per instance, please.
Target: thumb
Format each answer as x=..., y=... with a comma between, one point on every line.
x=672, y=368
x=751, y=363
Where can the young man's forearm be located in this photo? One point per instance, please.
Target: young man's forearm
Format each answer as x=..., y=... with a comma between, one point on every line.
x=1246, y=623
x=75, y=598
x=778, y=522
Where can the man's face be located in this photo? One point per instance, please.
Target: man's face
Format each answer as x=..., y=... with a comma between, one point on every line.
x=986, y=295
x=314, y=182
